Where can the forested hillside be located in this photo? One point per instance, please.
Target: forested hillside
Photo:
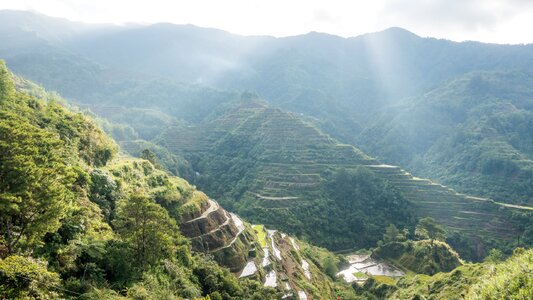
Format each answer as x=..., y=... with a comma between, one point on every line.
x=412, y=156
x=471, y=133
x=80, y=220
x=366, y=91
x=275, y=168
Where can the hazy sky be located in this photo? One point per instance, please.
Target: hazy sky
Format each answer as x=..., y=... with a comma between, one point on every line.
x=499, y=21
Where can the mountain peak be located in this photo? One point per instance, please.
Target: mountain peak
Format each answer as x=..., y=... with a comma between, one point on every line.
x=391, y=33
x=397, y=30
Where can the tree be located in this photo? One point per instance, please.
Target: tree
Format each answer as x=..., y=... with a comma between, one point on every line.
x=495, y=255
x=392, y=234
x=148, y=229
x=34, y=182
x=104, y=192
x=330, y=266
x=428, y=228
x=25, y=278
x=7, y=88
x=149, y=156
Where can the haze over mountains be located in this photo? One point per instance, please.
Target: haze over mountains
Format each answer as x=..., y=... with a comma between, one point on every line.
x=345, y=143
x=402, y=98
x=352, y=88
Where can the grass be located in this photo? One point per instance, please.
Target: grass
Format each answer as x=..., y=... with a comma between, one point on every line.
x=384, y=279
x=261, y=234
x=360, y=275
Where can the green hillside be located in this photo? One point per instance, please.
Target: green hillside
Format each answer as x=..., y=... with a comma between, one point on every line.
x=471, y=133
x=81, y=221
x=509, y=279
x=443, y=110
x=284, y=172
x=420, y=257
x=272, y=167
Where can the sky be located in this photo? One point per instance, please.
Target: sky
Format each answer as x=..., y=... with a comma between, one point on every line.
x=493, y=21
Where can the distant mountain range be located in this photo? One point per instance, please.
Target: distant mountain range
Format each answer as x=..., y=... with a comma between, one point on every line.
x=457, y=113
x=414, y=155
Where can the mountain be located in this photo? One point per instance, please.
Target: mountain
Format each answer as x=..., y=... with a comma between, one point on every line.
x=45, y=27
x=81, y=220
x=350, y=77
x=269, y=164
x=332, y=78
x=37, y=48
x=145, y=80
x=275, y=168
x=359, y=90
x=470, y=133
x=182, y=52
x=342, y=82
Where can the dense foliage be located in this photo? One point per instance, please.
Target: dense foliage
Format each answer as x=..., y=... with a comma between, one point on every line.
x=472, y=133
x=509, y=279
x=361, y=203
x=70, y=229
x=24, y=278
x=44, y=149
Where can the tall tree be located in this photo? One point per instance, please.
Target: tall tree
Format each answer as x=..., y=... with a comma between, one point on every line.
x=392, y=234
x=148, y=229
x=430, y=229
x=34, y=182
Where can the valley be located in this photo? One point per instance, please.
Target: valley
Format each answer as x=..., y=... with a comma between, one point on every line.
x=164, y=161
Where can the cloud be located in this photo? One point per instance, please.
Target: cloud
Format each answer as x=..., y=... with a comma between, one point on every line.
x=322, y=16
x=467, y=15
x=507, y=21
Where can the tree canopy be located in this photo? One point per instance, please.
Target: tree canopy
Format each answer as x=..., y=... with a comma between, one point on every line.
x=34, y=181
x=428, y=228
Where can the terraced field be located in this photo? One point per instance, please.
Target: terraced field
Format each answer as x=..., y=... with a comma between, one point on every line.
x=288, y=155
x=459, y=212
x=272, y=258
x=215, y=231
x=264, y=162
x=286, y=265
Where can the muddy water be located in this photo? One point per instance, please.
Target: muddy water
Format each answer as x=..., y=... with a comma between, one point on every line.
x=369, y=266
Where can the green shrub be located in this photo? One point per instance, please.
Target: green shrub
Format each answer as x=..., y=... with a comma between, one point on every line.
x=22, y=277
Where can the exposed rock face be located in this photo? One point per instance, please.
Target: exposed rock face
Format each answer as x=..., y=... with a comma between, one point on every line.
x=213, y=230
